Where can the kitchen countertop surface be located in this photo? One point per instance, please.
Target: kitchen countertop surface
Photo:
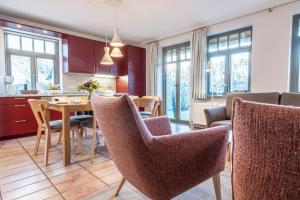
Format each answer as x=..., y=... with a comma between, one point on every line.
x=43, y=95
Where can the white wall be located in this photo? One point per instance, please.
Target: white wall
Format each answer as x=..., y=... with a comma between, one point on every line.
x=270, y=48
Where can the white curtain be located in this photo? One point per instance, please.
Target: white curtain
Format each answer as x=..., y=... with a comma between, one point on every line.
x=151, y=68
x=198, y=63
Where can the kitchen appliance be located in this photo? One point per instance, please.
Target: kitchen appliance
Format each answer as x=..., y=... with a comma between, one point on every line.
x=8, y=82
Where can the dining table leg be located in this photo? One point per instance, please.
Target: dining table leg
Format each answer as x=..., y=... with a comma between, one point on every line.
x=66, y=137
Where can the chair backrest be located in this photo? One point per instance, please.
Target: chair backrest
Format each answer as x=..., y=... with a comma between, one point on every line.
x=125, y=132
x=266, y=151
x=39, y=108
x=150, y=105
x=290, y=99
x=271, y=98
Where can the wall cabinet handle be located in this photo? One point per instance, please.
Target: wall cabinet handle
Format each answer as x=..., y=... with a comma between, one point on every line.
x=19, y=106
x=19, y=98
x=20, y=121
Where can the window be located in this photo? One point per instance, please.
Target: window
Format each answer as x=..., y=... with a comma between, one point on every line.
x=229, y=62
x=31, y=60
x=177, y=81
x=295, y=56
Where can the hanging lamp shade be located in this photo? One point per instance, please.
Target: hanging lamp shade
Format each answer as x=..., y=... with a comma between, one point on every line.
x=116, y=53
x=106, y=60
x=116, y=40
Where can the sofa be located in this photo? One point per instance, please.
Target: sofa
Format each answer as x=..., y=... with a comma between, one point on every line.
x=222, y=115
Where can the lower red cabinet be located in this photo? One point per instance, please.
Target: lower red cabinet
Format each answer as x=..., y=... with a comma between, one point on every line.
x=16, y=116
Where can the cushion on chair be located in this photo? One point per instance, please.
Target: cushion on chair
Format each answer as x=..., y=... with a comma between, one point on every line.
x=145, y=114
x=221, y=123
x=82, y=117
x=266, y=151
x=57, y=124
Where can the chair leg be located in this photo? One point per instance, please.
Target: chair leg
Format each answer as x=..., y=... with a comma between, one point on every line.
x=79, y=140
x=37, y=141
x=94, y=134
x=85, y=132
x=119, y=187
x=59, y=138
x=47, y=146
x=217, y=186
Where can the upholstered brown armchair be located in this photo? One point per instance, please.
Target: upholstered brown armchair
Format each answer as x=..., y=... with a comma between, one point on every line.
x=158, y=164
x=266, y=151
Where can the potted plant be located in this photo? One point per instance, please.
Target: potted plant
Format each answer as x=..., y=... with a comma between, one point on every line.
x=54, y=89
x=89, y=86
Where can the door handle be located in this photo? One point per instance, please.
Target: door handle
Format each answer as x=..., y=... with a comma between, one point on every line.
x=19, y=106
x=20, y=121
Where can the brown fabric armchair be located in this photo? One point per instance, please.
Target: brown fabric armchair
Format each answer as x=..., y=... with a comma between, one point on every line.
x=222, y=115
x=266, y=152
x=158, y=164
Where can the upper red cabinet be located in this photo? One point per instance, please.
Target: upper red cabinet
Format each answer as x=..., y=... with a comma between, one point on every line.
x=78, y=54
x=104, y=69
x=134, y=66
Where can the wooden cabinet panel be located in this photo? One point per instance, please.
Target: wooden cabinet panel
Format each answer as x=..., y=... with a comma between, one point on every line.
x=16, y=116
x=78, y=54
x=134, y=66
x=17, y=127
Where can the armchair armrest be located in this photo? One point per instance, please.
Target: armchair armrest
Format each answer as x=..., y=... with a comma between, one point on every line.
x=158, y=125
x=205, y=147
x=214, y=114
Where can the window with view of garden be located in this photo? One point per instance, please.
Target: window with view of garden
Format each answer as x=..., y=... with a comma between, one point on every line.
x=229, y=62
x=31, y=60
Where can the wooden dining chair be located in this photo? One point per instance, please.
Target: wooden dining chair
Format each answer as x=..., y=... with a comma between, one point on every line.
x=147, y=105
x=41, y=113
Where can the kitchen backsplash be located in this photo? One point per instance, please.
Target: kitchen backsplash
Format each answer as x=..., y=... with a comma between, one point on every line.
x=72, y=80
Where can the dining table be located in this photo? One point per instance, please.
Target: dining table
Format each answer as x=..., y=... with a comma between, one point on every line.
x=66, y=108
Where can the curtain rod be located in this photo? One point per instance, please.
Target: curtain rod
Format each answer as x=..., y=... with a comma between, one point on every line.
x=224, y=21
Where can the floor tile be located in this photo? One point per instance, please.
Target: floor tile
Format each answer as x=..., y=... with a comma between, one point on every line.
x=26, y=190
x=84, y=190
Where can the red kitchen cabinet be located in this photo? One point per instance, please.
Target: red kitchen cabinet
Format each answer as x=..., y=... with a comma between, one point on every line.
x=16, y=116
x=134, y=65
x=114, y=69
x=78, y=54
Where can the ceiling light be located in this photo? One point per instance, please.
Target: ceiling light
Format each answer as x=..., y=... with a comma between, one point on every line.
x=45, y=32
x=106, y=60
x=116, y=52
x=116, y=40
x=19, y=26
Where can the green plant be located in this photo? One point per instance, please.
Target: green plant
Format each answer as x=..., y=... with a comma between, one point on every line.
x=89, y=86
x=54, y=87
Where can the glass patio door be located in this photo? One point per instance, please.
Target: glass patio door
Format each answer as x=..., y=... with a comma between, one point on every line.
x=177, y=82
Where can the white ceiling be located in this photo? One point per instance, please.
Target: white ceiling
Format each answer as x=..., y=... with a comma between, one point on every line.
x=138, y=20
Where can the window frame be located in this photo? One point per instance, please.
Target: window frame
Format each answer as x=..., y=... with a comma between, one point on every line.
x=227, y=53
x=32, y=54
x=295, y=51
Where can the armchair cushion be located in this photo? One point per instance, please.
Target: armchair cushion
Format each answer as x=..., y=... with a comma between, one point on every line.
x=158, y=125
x=215, y=114
x=221, y=123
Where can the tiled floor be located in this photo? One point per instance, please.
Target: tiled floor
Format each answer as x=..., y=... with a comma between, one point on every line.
x=23, y=176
